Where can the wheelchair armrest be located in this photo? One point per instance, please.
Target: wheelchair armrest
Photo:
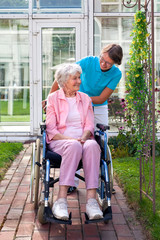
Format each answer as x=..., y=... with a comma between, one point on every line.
x=102, y=127
x=42, y=126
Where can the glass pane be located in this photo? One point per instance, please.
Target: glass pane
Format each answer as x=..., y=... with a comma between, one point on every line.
x=109, y=30
x=157, y=57
x=12, y=6
x=117, y=30
x=157, y=24
x=58, y=6
x=114, y=30
x=112, y=6
x=58, y=46
x=103, y=6
x=157, y=6
x=14, y=72
x=127, y=25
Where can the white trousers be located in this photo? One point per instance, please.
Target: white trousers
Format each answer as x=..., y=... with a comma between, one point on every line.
x=101, y=115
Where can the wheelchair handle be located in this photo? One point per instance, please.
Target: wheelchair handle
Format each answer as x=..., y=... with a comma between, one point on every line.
x=42, y=126
x=102, y=127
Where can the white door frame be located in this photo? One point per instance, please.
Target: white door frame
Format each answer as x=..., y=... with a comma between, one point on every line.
x=36, y=81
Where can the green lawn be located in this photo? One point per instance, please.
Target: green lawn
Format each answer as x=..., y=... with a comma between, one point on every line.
x=21, y=113
x=126, y=171
x=18, y=107
x=8, y=152
x=16, y=118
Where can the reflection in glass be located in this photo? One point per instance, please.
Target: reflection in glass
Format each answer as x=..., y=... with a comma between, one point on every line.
x=157, y=24
x=12, y=6
x=102, y=6
x=127, y=25
x=58, y=46
x=14, y=71
x=114, y=30
x=117, y=6
x=117, y=30
x=112, y=6
x=58, y=6
x=109, y=30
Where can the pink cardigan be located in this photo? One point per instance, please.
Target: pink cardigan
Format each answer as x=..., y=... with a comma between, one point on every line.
x=57, y=112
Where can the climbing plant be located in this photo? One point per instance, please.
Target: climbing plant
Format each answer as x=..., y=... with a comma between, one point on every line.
x=139, y=86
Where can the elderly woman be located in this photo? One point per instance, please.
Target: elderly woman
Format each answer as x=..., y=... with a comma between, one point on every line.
x=70, y=133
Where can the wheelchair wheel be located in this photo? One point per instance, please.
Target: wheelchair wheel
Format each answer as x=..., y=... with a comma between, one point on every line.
x=40, y=214
x=110, y=168
x=37, y=174
x=103, y=201
x=32, y=172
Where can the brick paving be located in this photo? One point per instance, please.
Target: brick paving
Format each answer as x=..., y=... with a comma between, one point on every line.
x=18, y=220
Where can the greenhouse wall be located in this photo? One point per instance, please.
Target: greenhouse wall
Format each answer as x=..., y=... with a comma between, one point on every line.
x=37, y=36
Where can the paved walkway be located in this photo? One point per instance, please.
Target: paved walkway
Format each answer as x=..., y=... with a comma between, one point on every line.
x=18, y=219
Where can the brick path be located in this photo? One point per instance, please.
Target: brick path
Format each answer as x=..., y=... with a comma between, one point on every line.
x=18, y=219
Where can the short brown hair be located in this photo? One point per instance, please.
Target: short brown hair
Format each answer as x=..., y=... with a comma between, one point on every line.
x=114, y=51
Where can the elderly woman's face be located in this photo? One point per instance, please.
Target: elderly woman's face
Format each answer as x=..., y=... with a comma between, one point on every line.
x=73, y=82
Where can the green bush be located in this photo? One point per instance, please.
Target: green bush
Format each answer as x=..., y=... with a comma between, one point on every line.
x=123, y=144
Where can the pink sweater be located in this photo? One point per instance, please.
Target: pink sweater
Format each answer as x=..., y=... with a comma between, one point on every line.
x=57, y=112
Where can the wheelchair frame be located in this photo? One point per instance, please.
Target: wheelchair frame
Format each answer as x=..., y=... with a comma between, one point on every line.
x=104, y=190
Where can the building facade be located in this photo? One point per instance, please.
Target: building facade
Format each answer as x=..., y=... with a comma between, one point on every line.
x=36, y=36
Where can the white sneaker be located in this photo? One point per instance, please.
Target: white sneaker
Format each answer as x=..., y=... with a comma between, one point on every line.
x=60, y=210
x=92, y=209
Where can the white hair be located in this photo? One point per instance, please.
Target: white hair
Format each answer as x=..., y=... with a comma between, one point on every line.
x=64, y=71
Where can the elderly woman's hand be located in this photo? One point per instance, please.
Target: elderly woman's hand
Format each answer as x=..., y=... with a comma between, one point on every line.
x=81, y=140
x=86, y=135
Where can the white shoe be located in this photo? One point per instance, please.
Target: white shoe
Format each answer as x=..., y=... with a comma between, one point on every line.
x=60, y=210
x=92, y=209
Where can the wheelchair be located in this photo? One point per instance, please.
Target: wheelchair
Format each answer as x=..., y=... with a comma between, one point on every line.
x=42, y=181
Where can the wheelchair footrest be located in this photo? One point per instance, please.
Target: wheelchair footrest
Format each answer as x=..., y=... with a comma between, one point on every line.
x=107, y=215
x=92, y=220
x=49, y=217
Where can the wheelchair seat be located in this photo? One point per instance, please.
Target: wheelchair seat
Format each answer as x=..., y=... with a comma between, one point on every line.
x=55, y=159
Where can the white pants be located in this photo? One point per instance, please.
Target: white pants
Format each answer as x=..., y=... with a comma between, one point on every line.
x=100, y=116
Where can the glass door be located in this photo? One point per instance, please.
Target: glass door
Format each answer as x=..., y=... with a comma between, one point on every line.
x=55, y=44
x=58, y=47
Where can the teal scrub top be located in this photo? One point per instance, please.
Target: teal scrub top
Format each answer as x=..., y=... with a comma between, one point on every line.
x=93, y=80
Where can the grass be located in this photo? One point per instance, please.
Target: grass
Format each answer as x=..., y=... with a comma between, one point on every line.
x=126, y=171
x=18, y=107
x=8, y=152
x=21, y=113
x=17, y=118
